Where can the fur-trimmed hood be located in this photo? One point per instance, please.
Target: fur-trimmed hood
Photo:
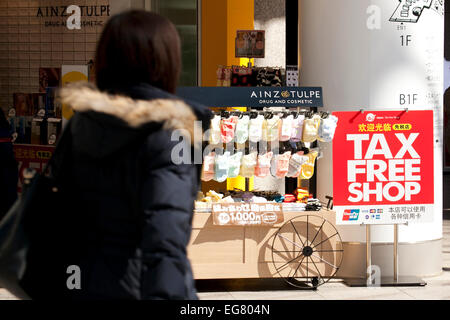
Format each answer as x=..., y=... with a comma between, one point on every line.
x=105, y=123
x=173, y=114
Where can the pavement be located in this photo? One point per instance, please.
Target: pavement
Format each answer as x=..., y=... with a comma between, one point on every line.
x=437, y=288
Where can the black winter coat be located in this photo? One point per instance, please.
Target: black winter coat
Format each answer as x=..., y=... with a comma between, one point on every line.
x=130, y=206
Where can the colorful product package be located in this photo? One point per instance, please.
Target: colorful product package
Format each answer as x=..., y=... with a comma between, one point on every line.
x=286, y=128
x=327, y=129
x=262, y=169
x=234, y=165
x=248, y=165
x=311, y=128
x=208, y=167
x=228, y=127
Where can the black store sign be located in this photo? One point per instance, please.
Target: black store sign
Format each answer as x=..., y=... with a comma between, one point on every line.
x=255, y=97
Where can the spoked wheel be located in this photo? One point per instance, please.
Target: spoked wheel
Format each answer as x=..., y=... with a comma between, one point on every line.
x=307, y=251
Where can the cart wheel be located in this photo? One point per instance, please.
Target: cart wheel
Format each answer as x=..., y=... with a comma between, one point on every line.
x=307, y=251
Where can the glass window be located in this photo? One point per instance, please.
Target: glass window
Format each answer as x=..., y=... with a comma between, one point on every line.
x=183, y=13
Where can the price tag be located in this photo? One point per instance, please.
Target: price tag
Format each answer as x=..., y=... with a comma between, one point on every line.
x=247, y=214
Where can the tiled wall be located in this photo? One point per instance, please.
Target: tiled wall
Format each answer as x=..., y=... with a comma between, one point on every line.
x=26, y=44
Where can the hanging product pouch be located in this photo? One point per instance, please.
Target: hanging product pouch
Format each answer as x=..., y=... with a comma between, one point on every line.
x=308, y=167
x=256, y=128
x=264, y=130
x=242, y=129
x=297, y=129
x=280, y=165
x=271, y=129
x=311, y=128
x=283, y=165
x=221, y=167
x=234, y=165
x=228, y=128
x=208, y=167
x=295, y=164
x=327, y=129
x=286, y=128
x=262, y=169
x=215, y=134
x=248, y=164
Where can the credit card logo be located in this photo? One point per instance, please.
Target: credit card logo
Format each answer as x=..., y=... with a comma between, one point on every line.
x=351, y=215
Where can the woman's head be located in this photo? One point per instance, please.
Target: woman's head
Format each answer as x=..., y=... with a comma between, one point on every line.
x=138, y=47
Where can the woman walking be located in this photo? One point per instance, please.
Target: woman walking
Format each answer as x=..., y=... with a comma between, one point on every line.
x=127, y=222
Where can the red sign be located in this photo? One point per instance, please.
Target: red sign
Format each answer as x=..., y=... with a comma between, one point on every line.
x=33, y=157
x=383, y=166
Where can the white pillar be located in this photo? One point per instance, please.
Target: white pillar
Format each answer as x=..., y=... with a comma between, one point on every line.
x=270, y=15
x=362, y=59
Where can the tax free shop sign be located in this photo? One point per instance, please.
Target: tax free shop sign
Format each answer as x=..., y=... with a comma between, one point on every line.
x=383, y=167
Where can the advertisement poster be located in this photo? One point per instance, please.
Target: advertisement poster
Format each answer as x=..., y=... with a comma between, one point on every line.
x=383, y=167
x=33, y=157
x=250, y=44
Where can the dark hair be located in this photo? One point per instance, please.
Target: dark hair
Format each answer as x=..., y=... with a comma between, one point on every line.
x=138, y=47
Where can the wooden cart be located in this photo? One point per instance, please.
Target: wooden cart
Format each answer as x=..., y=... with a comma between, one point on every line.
x=234, y=252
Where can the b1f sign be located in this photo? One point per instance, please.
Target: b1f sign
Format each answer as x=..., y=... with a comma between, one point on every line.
x=383, y=167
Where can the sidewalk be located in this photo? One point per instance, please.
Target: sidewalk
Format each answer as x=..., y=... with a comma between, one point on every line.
x=272, y=289
x=437, y=288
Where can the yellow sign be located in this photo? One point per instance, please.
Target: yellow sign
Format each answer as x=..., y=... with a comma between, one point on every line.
x=402, y=127
x=72, y=74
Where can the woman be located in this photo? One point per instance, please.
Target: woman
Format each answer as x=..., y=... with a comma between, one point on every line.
x=129, y=206
x=8, y=168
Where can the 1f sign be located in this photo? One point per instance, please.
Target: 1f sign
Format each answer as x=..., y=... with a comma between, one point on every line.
x=74, y=20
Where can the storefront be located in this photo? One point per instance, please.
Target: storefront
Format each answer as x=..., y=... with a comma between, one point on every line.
x=263, y=206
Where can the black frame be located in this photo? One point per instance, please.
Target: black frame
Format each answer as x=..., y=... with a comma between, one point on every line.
x=292, y=59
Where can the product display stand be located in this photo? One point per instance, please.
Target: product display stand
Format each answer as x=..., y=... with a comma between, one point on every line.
x=395, y=280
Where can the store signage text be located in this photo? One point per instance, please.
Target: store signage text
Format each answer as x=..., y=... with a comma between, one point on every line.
x=255, y=97
x=247, y=214
x=61, y=11
x=267, y=97
x=383, y=161
x=73, y=13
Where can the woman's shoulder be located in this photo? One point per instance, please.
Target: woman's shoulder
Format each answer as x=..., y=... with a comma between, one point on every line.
x=167, y=144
